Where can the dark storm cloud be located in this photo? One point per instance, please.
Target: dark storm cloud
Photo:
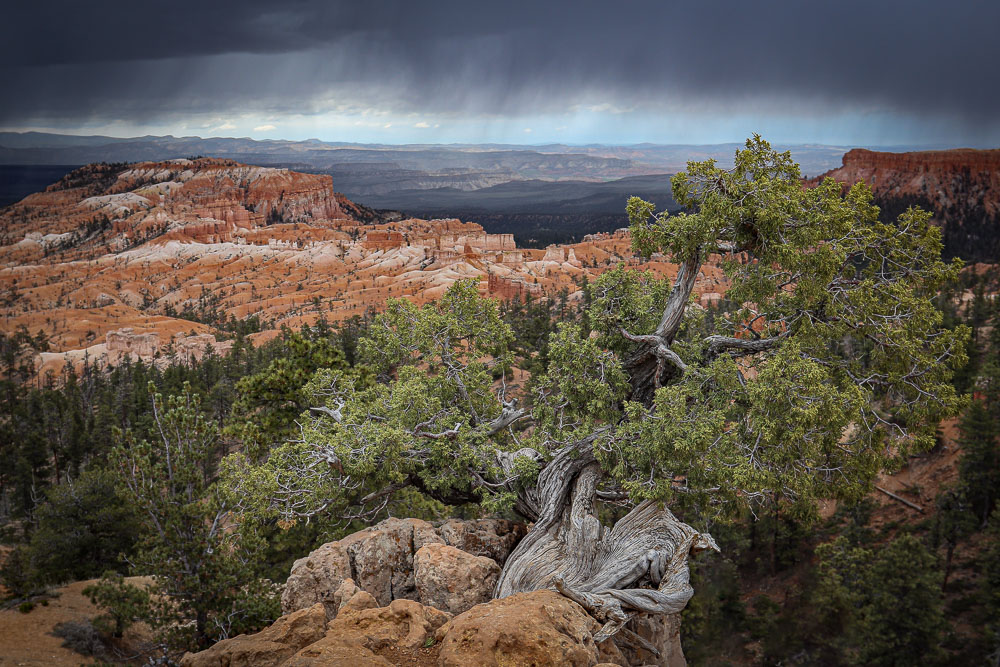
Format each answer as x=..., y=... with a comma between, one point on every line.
x=141, y=61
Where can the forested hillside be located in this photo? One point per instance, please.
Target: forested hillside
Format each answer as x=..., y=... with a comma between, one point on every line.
x=773, y=594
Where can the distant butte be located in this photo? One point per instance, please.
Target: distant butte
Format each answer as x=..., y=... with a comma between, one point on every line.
x=103, y=261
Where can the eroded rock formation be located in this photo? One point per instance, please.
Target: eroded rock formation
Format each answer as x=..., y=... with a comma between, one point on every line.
x=334, y=620
x=179, y=247
x=960, y=187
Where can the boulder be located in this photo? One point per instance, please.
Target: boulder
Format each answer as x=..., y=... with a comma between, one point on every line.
x=333, y=653
x=380, y=559
x=537, y=628
x=345, y=592
x=404, y=623
x=492, y=538
x=357, y=634
x=452, y=580
x=270, y=646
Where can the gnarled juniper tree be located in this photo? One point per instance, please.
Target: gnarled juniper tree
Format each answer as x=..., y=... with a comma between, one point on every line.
x=829, y=364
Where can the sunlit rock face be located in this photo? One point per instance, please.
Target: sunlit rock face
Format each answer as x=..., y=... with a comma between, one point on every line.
x=147, y=260
x=960, y=187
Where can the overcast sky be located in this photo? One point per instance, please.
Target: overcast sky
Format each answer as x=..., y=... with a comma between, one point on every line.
x=699, y=71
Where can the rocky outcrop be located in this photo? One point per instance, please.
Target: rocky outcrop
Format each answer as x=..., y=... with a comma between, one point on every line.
x=148, y=347
x=884, y=168
x=126, y=341
x=452, y=580
x=378, y=239
x=960, y=187
x=271, y=646
x=539, y=628
x=403, y=623
x=380, y=560
x=408, y=592
x=507, y=289
x=493, y=538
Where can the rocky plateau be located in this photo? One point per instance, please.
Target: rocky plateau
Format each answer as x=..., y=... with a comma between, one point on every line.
x=961, y=187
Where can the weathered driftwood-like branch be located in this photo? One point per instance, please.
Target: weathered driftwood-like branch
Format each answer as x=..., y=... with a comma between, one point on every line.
x=509, y=415
x=740, y=346
x=673, y=313
x=639, y=565
x=653, y=363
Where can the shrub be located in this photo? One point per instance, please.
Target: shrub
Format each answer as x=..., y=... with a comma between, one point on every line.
x=125, y=603
x=80, y=636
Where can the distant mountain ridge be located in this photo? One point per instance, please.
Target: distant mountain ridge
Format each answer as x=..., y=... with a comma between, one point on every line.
x=544, y=193
x=589, y=162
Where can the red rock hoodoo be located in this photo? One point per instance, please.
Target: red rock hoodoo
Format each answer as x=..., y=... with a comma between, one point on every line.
x=110, y=248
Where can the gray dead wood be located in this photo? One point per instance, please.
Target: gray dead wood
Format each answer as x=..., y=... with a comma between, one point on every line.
x=638, y=565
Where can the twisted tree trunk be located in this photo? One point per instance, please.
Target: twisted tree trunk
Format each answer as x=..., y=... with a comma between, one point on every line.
x=637, y=566
x=653, y=364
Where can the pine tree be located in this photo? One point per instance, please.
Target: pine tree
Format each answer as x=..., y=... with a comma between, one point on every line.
x=979, y=467
x=883, y=606
x=205, y=580
x=84, y=527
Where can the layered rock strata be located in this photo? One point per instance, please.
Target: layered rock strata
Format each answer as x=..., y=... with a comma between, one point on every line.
x=960, y=187
x=176, y=248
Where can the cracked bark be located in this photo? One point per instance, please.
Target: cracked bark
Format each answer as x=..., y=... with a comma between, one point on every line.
x=637, y=566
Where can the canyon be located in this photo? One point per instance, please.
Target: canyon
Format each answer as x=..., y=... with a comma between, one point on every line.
x=129, y=260
x=102, y=262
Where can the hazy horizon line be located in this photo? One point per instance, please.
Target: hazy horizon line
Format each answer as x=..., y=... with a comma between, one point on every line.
x=541, y=144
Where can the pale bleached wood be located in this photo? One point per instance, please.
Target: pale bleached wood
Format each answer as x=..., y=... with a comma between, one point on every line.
x=638, y=565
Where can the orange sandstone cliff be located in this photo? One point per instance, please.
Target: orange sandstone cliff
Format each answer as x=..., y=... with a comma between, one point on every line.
x=961, y=187
x=103, y=262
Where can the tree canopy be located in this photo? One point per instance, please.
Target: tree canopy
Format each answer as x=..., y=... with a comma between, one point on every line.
x=826, y=363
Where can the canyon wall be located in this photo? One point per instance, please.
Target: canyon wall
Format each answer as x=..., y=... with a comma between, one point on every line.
x=960, y=187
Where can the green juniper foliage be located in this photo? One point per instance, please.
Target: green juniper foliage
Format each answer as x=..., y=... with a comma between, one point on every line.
x=856, y=359
x=831, y=365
